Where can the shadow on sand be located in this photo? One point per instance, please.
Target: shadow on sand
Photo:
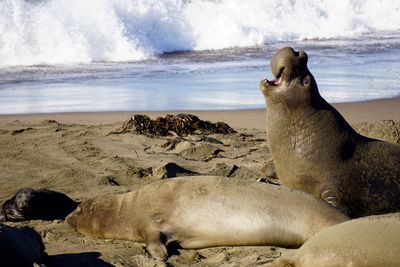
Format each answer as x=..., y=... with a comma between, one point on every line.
x=85, y=259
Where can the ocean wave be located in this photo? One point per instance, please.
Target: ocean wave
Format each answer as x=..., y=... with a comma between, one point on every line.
x=74, y=31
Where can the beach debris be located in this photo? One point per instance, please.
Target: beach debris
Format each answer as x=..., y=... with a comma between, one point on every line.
x=18, y=131
x=179, y=125
x=50, y=122
x=109, y=180
x=57, y=126
x=268, y=181
x=170, y=170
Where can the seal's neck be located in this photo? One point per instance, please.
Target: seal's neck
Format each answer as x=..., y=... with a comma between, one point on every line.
x=280, y=114
x=310, y=134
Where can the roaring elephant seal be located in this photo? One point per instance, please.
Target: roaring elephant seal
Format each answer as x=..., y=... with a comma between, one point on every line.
x=369, y=241
x=315, y=150
x=37, y=204
x=205, y=211
x=20, y=247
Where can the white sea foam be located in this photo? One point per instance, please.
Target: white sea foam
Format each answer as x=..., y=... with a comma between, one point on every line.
x=70, y=31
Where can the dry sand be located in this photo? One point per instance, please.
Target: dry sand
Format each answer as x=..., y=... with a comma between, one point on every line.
x=75, y=154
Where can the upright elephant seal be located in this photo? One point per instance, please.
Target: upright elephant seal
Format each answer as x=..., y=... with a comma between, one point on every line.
x=205, y=211
x=37, y=204
x=365, y=242
x=315, y=150
x=20, y=247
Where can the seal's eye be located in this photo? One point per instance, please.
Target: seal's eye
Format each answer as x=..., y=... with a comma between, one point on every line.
x=306, y=81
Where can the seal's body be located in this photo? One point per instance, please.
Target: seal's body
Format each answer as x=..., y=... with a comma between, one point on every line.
x=206, y=211
x=20, y=247
x=367, y=242
x=37, y=204
x=315, y=150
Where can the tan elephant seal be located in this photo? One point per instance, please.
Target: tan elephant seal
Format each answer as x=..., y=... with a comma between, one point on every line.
x=20, y=247
x=315, y=150
x=365, y=242
x=205, y=211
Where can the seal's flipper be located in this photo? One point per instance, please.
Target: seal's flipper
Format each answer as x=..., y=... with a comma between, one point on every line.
x=155, y=246
x=330, y=197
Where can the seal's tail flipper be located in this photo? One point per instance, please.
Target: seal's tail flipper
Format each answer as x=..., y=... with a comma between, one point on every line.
x=155, y=245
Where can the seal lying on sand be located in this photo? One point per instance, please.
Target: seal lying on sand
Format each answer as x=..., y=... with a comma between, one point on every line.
x=205, y=211
x=30, y=204
x=315, y=150
x=369, y=241
x=20, y=247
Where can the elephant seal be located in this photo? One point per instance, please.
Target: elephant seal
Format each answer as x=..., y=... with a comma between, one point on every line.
x=315, y=150
x=369, y=241
x=39, y=204
x=20, y=247
x=205, y=211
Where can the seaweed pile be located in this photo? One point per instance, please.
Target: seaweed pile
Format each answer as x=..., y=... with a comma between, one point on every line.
x=181, y=125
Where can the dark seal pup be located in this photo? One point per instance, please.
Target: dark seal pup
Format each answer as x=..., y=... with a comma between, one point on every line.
x=315, y=150
x=40, y=204
x=205, y=211
x=20, y=247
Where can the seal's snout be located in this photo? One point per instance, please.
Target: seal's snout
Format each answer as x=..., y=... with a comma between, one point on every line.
x=72, y=217
x=288, y=64
x=293, y=82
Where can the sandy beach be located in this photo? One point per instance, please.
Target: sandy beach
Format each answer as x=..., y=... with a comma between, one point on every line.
x=73, y=74
x=82, y=155
x=374, y=110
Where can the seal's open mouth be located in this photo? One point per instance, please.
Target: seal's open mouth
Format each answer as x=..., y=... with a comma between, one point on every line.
x=277, y=81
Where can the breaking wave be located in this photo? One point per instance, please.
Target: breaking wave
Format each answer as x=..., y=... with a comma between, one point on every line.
x=75, y=31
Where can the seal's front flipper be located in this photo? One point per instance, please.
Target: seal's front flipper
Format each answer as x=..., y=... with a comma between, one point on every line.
x=330, y=197
x=155, y=245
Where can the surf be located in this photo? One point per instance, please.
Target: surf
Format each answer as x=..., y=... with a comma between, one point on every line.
x=72, y=31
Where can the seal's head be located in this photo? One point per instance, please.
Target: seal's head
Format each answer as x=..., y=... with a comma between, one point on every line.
x=81, y=218
x=92, y=217
x=294, y=84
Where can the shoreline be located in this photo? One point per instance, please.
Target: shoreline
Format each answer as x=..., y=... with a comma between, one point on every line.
x=371, y=110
